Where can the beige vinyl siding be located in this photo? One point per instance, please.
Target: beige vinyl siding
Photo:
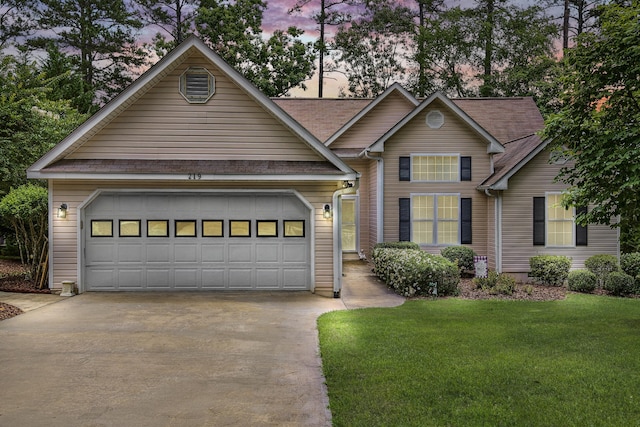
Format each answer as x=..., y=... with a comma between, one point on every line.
x=373, y=195
x=161, y=124
x=364, y=198
x=454, y=136
x=65, y=244
x=533, y=180
x=375, y=123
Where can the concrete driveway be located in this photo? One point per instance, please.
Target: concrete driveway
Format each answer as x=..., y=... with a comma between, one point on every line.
x=168, y=359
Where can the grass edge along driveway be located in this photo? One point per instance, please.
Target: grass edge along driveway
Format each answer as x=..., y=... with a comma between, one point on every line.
x=454, y=362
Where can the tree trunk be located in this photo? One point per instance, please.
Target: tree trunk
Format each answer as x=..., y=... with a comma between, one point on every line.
x=565, y=26
x=486, y=89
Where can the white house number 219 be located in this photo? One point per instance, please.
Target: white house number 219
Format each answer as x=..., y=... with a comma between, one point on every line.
x=195, y=176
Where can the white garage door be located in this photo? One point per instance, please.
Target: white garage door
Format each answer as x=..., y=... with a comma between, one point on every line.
x=192, y=241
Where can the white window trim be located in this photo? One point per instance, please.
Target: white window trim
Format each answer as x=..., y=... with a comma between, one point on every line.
x=434, y=155
x=355, y=197
x=435, y=219
x=547, y=221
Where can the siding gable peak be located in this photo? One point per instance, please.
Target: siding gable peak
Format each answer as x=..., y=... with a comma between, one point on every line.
x=394, y=89
x=493, y=145
x=153, y=77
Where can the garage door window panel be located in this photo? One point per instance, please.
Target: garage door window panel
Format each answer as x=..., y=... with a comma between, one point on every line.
x=185, y=228
x=212, y=228
x=102, y=228
x=158, y=228
x=239, y=228
x=267, y=228
x=129, y=227
x=293, y=228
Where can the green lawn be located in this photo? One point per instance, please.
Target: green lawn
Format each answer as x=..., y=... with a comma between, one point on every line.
x=455, y=362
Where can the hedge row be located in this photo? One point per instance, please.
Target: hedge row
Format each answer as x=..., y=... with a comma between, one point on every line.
x=413, y=272
x=603, y=271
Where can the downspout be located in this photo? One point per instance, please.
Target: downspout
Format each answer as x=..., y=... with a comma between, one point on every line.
x=337, y=235
x=379, y=195
x=498, y=227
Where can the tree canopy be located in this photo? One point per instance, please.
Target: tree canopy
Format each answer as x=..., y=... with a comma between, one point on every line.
x=234, y=30
x=34, y=117
x=598, y=126
x=100, y=38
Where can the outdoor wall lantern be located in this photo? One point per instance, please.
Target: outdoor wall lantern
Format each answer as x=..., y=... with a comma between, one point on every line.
x=327, y=213
x=62, y=211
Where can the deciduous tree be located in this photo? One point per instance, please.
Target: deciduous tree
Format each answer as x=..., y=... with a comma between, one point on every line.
x=598, y=125
x=33, y=120
x=25, y=208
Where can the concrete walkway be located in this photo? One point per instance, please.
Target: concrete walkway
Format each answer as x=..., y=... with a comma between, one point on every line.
x=172, y=359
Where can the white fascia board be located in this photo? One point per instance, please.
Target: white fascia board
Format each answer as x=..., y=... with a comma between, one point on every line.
x=394, y=87
x=494, y=146
x=184, y=177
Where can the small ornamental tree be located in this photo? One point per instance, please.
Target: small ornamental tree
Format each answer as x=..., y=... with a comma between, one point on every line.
x=25, y=209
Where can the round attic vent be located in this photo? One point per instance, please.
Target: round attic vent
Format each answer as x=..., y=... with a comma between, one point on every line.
x=435, y=119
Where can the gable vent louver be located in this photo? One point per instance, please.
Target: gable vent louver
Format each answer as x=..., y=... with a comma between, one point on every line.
x=197, y=85
x=435, y=119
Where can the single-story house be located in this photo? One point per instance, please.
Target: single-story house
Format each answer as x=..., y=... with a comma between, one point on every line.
x=192, y=179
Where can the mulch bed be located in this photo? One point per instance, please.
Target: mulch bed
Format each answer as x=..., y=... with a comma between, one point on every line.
x=12, y=279
x=8, y=311
x=525, y=292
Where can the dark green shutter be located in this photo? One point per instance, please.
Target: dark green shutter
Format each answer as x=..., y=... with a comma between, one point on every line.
x=465, y=168
x=405, y=220
x=581, y=231
x=405, y=169
x=539, y=221
x=465, y=220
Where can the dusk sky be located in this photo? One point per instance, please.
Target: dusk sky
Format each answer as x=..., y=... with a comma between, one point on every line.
x=276, y=17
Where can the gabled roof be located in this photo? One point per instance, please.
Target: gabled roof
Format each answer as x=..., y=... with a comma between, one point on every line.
x=322, y=116
x=149, y=79
x=493, y=145
x=394, y=88
x=506, y=119
x=517, y=154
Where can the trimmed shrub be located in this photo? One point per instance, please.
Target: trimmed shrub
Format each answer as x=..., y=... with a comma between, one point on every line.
x=582, y=281
x=630, y=264
x=619, y=283
x=550, y=269
x=414, y=272
x=396, y=245
x=461, y=255
x=602, y=265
